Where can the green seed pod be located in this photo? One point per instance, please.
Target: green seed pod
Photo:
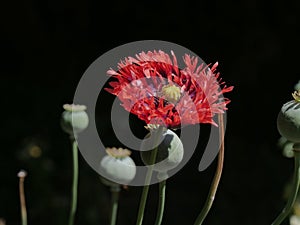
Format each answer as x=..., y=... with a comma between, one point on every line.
x=169, y=153
x=288, y=121
x=74, y=119
x=118, y=165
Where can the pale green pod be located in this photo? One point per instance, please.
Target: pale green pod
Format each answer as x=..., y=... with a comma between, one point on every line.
x=121, y=170
x=169, y=153
x=74, y=119
x=288, y=121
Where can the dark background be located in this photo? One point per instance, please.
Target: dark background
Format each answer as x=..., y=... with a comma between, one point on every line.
x=47, y=45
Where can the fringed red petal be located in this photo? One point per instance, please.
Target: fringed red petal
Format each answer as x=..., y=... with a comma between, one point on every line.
x=138, y=83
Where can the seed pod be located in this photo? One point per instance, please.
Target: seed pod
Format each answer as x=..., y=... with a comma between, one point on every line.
x=74, y=119
x=288, y=121
x=169, y=153
x=118, y=165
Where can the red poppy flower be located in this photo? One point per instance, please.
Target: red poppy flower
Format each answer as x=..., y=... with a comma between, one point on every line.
x=154, y=88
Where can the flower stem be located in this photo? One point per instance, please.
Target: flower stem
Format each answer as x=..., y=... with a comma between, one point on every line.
x=75, y=183
x=293, y=194
x=161, y=202
x=114, y=204
x=148, y=180
x=217, y=177
x=22, y=174
x=142, y=205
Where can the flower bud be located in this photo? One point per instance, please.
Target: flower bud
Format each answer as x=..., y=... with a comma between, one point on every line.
x=169, y=153
x=74, y=119
x=118, y=165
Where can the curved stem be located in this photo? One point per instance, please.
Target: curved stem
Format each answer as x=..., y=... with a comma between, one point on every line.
x=161, y=202
x=148, y=180
x=74, y=184
x=114, y=204
x=293, y=194
x=217, y=177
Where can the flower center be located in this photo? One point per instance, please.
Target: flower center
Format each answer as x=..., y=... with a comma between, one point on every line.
x=74, y=107
x=171, y=93
x=118, y=153
x=296, y=95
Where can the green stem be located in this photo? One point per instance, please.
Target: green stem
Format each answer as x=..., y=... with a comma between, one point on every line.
x=217, y=177
x=161, y=202
x=114, y=204
x=74, y=184
x=142, y=205
x=148, y=180
x=293, y=194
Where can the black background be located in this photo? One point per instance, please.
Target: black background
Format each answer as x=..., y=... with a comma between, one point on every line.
x=47, y=45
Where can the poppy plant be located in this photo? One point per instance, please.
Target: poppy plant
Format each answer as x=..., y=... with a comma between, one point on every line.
x=153, y=87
